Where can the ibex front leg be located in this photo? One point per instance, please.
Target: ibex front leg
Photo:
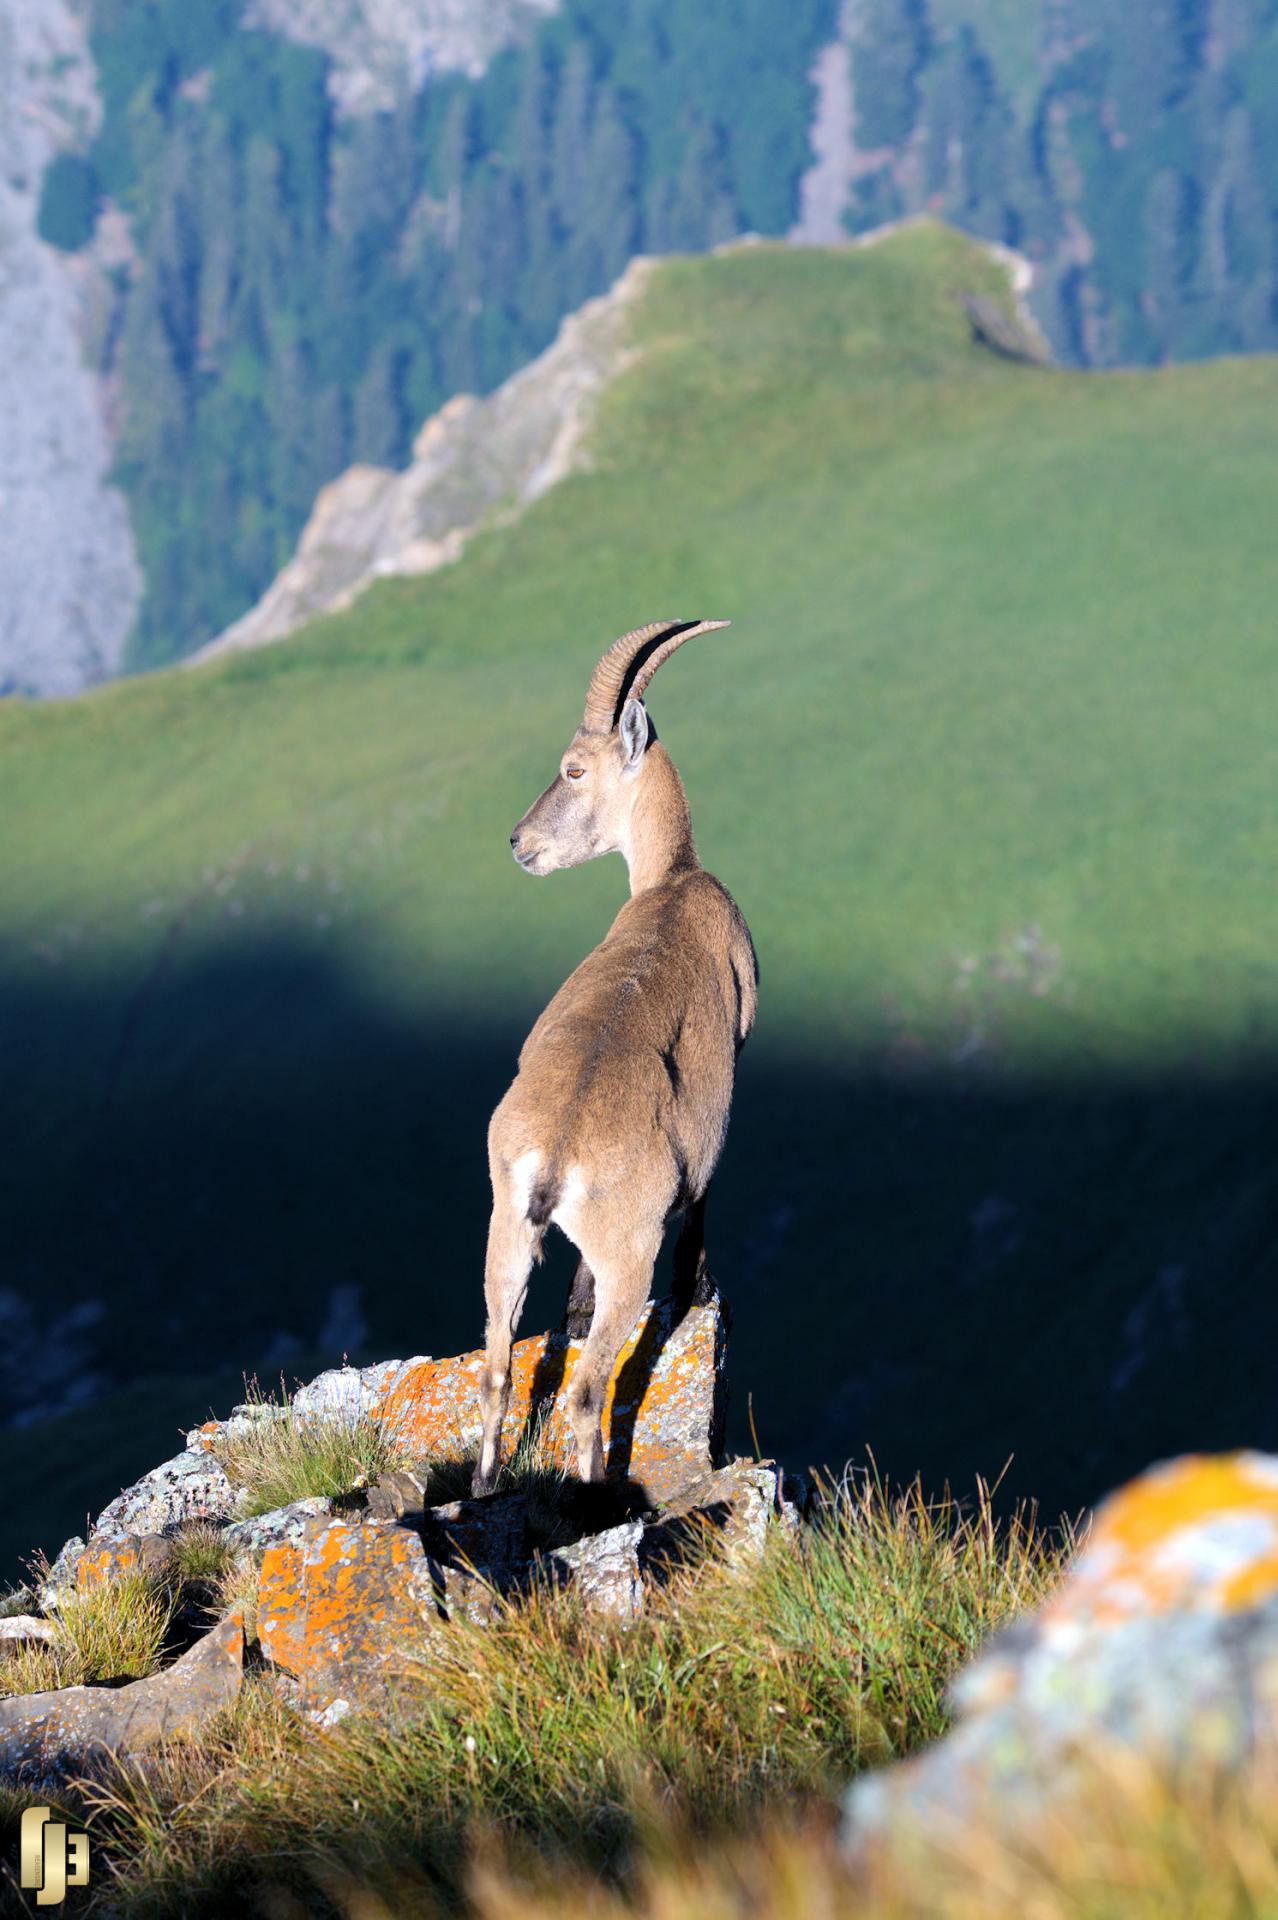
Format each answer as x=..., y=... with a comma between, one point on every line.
x=512, y=1245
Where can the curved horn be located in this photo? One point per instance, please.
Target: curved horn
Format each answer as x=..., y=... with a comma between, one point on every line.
x=629, y=664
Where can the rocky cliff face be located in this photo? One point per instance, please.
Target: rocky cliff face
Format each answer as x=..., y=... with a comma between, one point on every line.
x=474, y=462
x=70, y=581
x=382, y=49
x=69, y=578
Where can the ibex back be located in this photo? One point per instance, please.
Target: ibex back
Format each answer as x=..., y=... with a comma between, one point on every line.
x=617, y=1115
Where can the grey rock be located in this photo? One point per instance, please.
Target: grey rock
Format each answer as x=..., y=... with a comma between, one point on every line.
x=1161, y=1642
x=398, y=1495
x=605, y=1570
x=191, y=1486
x=45, y=1734
x=18, y=1627
x=384, y=49
x=60, y=1582
x=480, y=1533
x=740, y=1501
x=71, y=578
x=284, y=1525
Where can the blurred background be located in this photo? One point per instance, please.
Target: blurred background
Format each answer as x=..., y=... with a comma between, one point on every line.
x=946, y=373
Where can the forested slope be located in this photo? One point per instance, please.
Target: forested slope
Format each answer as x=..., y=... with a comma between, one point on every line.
x=317, y=253
x=308, y=286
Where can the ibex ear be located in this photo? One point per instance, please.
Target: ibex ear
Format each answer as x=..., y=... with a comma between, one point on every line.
x=633, y=727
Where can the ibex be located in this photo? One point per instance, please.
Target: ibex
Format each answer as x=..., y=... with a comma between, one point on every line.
x=618, y=1112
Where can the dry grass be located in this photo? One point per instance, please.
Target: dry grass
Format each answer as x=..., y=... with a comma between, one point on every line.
x=114, y=1631
x=741, y=1687
x=1129, y=1844
x=279, y=1455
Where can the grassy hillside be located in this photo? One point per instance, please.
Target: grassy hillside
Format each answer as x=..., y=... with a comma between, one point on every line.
x=988, y=758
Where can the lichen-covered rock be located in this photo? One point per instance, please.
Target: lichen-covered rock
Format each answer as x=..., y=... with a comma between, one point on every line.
x=741, y=1501
x=282, y=1526
x=191, y=1486
x=108, y=1556
x=1163, y=1639
x=43, y=1735
x=341, y=1610
x=59, y=1582
x=663, y=1414
x=605, y=1570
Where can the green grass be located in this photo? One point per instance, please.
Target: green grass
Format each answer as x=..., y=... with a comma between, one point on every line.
x=201, y=1554
x=739, y=1685
x=116, y=1630
x=281, y=1455
x=988, y=759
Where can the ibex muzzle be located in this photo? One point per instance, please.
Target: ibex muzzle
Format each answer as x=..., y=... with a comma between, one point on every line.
x=618, y=1113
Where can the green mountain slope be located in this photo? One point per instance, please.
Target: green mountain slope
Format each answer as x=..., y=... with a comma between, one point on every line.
x=987, y=757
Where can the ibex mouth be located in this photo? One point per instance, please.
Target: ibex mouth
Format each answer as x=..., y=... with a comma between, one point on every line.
x=526, y=861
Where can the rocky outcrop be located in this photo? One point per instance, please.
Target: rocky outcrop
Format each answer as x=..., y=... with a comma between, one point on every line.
x=45, y=1734
x=71, y=578
x=1162, y=1642
x=350, y=1590
x=384, y=49
x=475, y=464
x=663, y=1412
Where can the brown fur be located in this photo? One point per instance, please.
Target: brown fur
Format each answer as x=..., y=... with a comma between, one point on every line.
x=618, y=1113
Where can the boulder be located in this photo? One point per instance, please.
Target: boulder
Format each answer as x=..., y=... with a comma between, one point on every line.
x=604, y=1567
x=339, y=1610
x=191, y=1486
x=18, y=1627
x=1162, y=1640
x=59, y=1582
x=108, y=1556
x=741, y=1501
x=43, y=1735
x=663, y=1413
x=281, y=1526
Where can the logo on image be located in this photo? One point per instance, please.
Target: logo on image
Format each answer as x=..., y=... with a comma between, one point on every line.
x=52, y=1859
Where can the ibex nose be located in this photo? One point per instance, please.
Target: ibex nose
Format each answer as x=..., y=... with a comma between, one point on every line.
x=514, y=839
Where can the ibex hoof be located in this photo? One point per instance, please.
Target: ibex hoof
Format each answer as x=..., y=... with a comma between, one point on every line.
x=577, y=1322
x=482, y=1483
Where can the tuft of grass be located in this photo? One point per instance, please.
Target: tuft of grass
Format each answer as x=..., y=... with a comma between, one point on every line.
x=201, y=1552
x=238, y=1587
x=279, y=1455
x=117, y=1630
x=739, y=1686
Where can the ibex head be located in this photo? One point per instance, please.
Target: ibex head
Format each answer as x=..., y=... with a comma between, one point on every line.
x=586, y=809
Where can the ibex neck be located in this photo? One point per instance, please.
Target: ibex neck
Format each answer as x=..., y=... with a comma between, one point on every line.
x=660, y=841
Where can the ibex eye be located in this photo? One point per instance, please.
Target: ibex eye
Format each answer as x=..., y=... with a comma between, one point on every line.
x=574, y=773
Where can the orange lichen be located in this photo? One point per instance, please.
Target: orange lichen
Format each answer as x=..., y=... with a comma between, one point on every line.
x=335, y=1610
x=106, y=1561
x=1200, y=1533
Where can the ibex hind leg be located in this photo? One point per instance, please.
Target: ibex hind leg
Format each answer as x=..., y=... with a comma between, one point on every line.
x=622, y=1288
x=513, y=1241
